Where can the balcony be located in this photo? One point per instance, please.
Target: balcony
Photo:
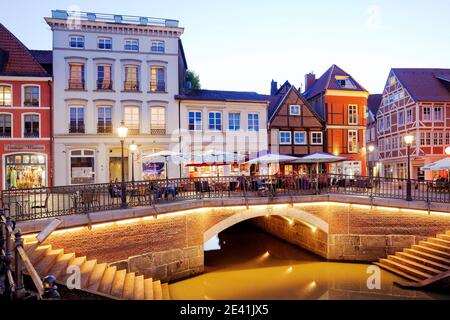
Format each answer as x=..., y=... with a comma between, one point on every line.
x=131, y=86
x=158, y=131
x=76, y=128
x=102, y=128
x=104, y=85
x=76, y=85
x=157, y=86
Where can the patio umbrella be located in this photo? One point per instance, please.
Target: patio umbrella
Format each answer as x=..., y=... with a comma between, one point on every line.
x=216, y=158
x=443, y=164
x=166, y=156
x=272, y=158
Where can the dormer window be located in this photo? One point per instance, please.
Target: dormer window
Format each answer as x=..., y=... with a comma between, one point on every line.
x=76, y=42
x=132, y=45
x=294, y=110
x=345, y=82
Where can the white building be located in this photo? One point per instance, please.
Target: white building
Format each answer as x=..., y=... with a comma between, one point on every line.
x=109, y=69
x=218, y=122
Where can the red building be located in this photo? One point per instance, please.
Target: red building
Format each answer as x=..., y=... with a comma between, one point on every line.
x=25, y=115
x=342, y=103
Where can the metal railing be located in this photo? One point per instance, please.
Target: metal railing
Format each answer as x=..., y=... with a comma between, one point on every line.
x=131, y=86
x=157, y=86
x=29, y=204
x=76, y=85
x=104, y=84
x=12, y=266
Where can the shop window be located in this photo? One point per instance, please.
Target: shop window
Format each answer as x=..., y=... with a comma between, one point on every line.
x=24, y=171
x=82, y=167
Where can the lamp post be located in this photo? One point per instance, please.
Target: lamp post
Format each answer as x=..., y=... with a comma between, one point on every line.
x=133, y=148
x=408, y=141
x=371, y=149
x=122, y=132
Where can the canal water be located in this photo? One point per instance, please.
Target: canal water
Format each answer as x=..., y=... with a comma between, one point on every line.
x=252, y=264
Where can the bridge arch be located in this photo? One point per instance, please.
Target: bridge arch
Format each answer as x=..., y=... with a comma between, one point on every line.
x=238, y=217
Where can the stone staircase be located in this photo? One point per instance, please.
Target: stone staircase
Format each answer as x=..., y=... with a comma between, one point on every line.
x=96, y=278
x=422, y=264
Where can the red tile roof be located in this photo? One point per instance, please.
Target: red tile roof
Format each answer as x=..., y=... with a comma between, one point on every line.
x=425, y=84
x=16, y=59
x=328, y=82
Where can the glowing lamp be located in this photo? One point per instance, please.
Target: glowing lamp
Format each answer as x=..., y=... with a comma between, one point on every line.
x=371, y=148
x=122, y=131
x=408, y=139
x=133, y=147
x=447, y=151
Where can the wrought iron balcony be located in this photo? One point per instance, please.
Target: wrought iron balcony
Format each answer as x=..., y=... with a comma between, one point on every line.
x=76, y=128
x=76, y=84
x=104, y=84
x=131, y=86
x=158, y=131
x=157, y=86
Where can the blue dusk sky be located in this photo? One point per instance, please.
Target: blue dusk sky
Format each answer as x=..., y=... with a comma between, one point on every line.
x=242, y=45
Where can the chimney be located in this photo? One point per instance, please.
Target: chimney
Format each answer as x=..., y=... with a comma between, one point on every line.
x=310, y=78
x=273, y=87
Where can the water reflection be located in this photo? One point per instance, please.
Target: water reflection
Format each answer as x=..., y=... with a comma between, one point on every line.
x=252, y=264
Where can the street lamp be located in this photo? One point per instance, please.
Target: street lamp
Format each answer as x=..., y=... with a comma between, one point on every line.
x=122, y=132
x=133, y=148
x=371, y=148
x=408, y=141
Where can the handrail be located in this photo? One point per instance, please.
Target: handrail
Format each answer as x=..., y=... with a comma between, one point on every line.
x=31, y=271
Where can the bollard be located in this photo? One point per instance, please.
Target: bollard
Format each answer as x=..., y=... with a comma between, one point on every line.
x=50, y=288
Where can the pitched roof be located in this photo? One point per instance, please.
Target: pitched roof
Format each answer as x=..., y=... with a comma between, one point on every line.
x=45, y=58
x=373, y=102
x=16, y=59
x=425, y=84
x=220, y=95
x=328, y=82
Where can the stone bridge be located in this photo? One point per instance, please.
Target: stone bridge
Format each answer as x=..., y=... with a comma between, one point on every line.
x=167, y=242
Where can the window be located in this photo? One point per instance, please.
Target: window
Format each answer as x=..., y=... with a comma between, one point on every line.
x=285, y=137
x=5, y=126
x=31, y=96
x=76, y=124
x=234, y=121
x=82, y=166
x=157, y=82
x=345, y=82
x=401, y=117
x=438, y=114
x=294, y=110
x=76, y=76
x=131, y=45
x=422, y=139
x=104, y=77
x=76, y=42
x=428, y=138
x=426, y=113
x=253, y=122
x=158, y=120
x=104, y=43
x=316, y=138
x=195, y=120
x=388, y=122
x=391, y=80
x=353, y=141
x=31, y=126
x=131, y=78
x=437, y=138
x=409, y=116
x=157, y=46
x=380, y=124
x=5, y=95
x=352, y=114
x=131, y=119
x=447, y=138
x=104, y=120
x=300, y=137
x=25, y=170
x=215, y=121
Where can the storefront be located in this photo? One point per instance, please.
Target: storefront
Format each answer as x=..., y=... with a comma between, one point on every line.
x=350, y=168
x=25, y=170
x=82, y=166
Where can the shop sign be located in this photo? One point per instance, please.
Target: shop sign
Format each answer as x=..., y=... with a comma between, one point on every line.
x=24, y=147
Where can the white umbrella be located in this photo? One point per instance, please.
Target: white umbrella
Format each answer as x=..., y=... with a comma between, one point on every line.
x=272, y=158
x=443, y=164
x=216, y=158
x=320, y=157
x=166, y=156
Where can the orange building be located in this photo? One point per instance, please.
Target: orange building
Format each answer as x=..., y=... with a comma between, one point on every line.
x=341, y=102
x=25, y=115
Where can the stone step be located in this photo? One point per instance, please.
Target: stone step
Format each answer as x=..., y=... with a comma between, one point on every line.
x=157, y=290
x=139, y=288
x=435, y=246
x=107, y=280
x=76, y=262
x=148, y=289
x=426, y=262
x=59, y=269
x=96, y=276
x=432, y=251
x=118, y=282
x=405, y=269
x=46, y=263
x=128, y=286
x=447, y=232
x=165, y=291
x=443, y=237
x=415, y=265
x=37, y=254
x=396, y=271
x=86, y=270
x=442, y=242
x=428, y=256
